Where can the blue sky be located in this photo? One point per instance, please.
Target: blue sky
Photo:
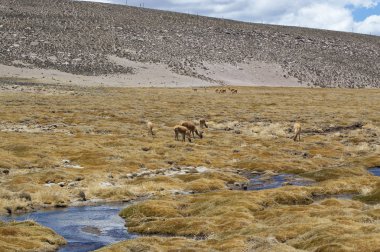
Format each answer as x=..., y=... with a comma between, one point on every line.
x=361, y=16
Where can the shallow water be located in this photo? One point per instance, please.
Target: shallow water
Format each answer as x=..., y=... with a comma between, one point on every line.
x=263, y=182
x=345, y=196
x=85, y=228
x=375, y=171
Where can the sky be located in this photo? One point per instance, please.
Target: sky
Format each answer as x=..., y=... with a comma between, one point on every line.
x=360, y=16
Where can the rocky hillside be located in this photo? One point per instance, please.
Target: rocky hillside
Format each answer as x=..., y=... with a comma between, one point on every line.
x=78, y=37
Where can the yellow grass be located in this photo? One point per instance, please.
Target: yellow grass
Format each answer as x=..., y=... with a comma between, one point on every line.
x=289, y=216
x=28, y=236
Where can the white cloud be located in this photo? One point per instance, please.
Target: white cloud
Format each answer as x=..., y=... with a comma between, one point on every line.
x=371, y=25
x=324, y=14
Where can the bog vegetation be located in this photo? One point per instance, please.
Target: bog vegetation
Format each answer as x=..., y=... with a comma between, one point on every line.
x=62, y=145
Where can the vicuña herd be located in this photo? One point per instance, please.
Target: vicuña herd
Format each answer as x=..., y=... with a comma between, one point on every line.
x=220, y=90
x=188, y=129
x=223, y=91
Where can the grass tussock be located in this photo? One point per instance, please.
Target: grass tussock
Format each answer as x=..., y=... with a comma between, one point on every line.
x=13, y=202
x=205, y=185
x=52, y=197
x=235, y=244
x=157, y=244
x=371, y=197
x=28, y=236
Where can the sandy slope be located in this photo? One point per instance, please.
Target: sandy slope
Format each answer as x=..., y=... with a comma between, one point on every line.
x=159, y=75
x=249, y=74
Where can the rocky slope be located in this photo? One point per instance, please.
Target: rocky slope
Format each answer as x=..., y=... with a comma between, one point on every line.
x=79, y=37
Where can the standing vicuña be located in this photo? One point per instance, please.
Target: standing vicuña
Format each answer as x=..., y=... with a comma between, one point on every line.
x=202, y=123
x=192, y=128
x=297, y=131
x=178, y=129
x=150, y=126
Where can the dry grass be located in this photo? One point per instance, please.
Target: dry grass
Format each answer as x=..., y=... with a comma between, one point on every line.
x=158, y=244
x=290, y=216
x=28, y=236
x=102, y=132
x=370, y=196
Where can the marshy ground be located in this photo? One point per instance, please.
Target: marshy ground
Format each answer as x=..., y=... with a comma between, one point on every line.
x=72, y=145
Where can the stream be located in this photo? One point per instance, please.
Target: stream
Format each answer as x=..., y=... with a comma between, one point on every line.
x=375, y=171
x=88, y=228
x=85, y=228
x=263, y=182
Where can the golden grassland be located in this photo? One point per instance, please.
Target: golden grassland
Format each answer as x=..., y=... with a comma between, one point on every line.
x=102, y=135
